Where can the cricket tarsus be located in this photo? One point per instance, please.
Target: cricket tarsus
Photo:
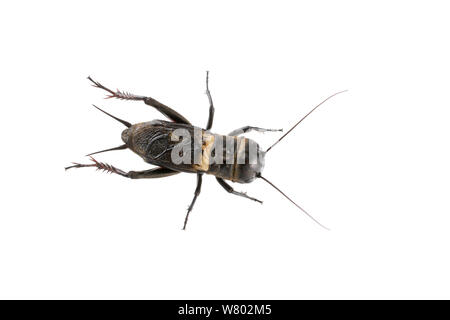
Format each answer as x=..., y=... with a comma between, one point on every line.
x=100, y=166
x=116, y=94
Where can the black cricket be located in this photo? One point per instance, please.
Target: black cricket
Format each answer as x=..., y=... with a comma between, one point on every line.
x=152, y=141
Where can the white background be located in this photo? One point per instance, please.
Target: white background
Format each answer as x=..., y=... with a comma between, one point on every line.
x=372, y=164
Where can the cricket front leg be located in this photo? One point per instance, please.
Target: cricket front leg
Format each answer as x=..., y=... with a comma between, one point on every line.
x=159, y=172
x=230, y=189
x=250, y=128
x=165, y=110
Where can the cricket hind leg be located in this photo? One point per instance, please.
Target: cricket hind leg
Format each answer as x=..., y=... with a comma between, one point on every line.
x=196, y=194
x=230, y=189
x=159, y=172
x=165, y=110
x=250, y=128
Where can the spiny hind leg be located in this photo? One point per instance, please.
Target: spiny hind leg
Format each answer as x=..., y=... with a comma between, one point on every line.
x=230, y=189
x=165, y=110
x=196, y=194
x=159, y=172
x=250, y=128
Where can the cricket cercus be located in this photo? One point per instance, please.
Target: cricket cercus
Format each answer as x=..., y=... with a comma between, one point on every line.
x=177, y=146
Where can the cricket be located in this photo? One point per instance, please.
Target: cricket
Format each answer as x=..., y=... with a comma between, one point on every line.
x=177, y=146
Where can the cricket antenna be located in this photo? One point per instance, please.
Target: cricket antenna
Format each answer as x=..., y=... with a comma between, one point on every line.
x=304, y=118
x=276, y=188
x=125, y=123
x=124, y=146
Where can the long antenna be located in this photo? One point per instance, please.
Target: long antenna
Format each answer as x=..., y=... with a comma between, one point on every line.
x=293, y=202
x=304, y=118
x=125, y=123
